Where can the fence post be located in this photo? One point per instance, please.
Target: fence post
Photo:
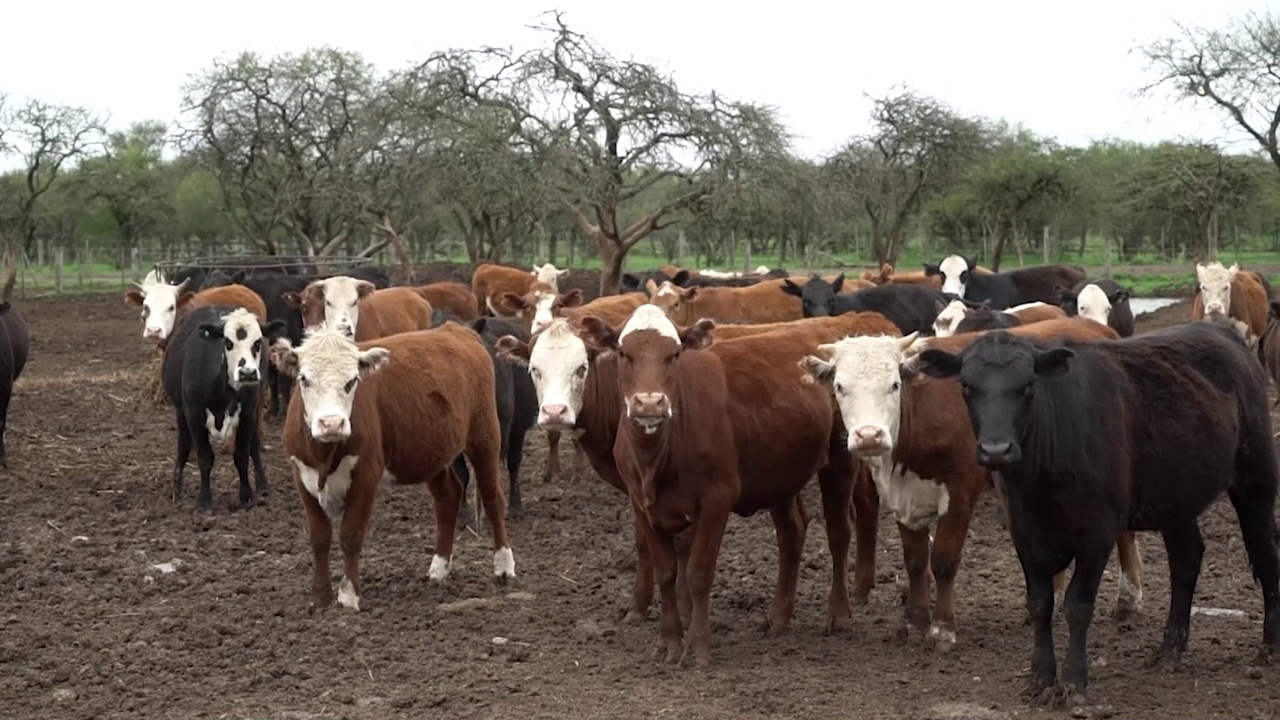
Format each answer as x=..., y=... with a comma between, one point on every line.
x=133, y=261
x=40, y=252
x=57, y=270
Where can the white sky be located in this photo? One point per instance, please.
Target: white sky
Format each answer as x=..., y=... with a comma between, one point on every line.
x=1062, y=69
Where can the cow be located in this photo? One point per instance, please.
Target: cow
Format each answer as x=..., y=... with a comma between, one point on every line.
x=356, y=308
x=452, y=297
x=687, y=279
x=987, y=319
x=162, y=304
x=1103, y=300
x=402, y=406
x=1004, y=289
x=13, y=358
x=490, y=282
x=540, y=305
x=676, y=456
x=759, y=303
x=1228, y=295
x=1269, y=346
x=887, y=274
x=1140, y=433
x=517, y=403
x=912, y=434
x=212, y=371
x=911, y=307
x=613, y=309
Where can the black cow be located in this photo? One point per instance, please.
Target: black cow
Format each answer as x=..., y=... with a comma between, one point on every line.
x=212, y=368
x=14, y=349
x=1006, y=289
x=1103, y=300
x=517, y=407
x=1142, y=433
x=913, y=308
x=981, y=320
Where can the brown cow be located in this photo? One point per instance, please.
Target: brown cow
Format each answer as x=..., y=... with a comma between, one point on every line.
x=675, y=454
x=1269, y=345
x=1074, y=330
x=763, y=302
x=490, y=282
x=402, y=406
x=163, y=303
x=354, y=307
x=613, y=309
x=1228, y=295
x=453, y=297
x=540, y=305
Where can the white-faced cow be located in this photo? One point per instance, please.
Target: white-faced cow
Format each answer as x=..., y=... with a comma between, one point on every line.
x=1102, y=300
x=1004, y=289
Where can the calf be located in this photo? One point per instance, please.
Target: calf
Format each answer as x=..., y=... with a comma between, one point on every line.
x=1142, y=433
x=1102, y=300
x=452, y=297
x=1005, y=289
x=490, y=282
x=402, y=406
x=13, y=358
x=675, y=454
x=911, y=307
x=540, y=305
x=1228, y=295
x=354, y=307
x=212, y=370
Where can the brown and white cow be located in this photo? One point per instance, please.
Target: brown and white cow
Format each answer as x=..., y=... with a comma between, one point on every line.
x=453, y=297
x=763, y=302
x=354, y=307
x=402, y=406
x=1232, y=296
x=490, y=282
x=538, y=307
x=162, y=304
x=956, y=312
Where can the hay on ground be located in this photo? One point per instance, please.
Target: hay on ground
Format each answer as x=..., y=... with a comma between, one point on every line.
x=152, y=387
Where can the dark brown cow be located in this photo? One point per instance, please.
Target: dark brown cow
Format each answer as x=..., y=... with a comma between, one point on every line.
x=453, y=297
x=1235, y=297
x=403, y=406
x=354, y=307
x=1269, y=346
x=490, y=282
x=675, y=453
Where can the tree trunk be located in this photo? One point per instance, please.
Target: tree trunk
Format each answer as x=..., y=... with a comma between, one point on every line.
x=611, y=258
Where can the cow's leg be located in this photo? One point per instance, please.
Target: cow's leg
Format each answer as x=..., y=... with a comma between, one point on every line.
x=466, y=513
x=446, y=498
x=515, y=457
x=484, y=458
x=1129, y=598
x=790, y=525
x=6, y=393
x=356, y=511
x=670, y=632
x=642, y=591
x=836, y=482
x=264, y=487
x=244, y=442
x=1038, y=573
x=866, y=526
x=1254, y=500
x=553, y=455
x=182, y=456
x=944, y=562
x=707, y=533
x=204, y=458
x=580, y=461
x=684, y=603
x=915, y=557
x=1185, y=546
x=1078, y=604
x=273, y=389
x=320, y=532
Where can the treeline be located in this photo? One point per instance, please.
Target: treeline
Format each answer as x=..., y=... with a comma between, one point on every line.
x=568, y=150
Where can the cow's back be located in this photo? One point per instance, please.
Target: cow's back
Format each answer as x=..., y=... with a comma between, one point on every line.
x=453, y=297
x=392, y=311
x=232, y=296
x=1038, y=283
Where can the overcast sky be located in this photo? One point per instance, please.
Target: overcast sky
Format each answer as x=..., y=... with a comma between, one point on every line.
x=1063, y=69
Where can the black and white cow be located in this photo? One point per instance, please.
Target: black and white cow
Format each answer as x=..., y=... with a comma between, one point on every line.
x=1102, y=300
x=911, y=307
x=1006, y=289
x=212, y=371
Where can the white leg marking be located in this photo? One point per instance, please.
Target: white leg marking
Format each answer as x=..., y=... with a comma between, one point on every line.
x=333, y=496
x=347, y=595
x=439, y=568
x=941, y=635
x=504, y=563
x=1130, y=595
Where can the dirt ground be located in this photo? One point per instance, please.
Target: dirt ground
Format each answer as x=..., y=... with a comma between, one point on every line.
x=94, y=626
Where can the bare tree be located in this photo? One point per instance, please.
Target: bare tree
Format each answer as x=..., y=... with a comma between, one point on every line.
x=1236, y=69
x=47, y=138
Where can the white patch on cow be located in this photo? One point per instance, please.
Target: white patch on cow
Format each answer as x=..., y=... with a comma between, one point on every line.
x=341, y=302
x=347, y=596
x=159, y=308
x=667, y=288
x=762, y=270
x=488, y=302
x=387, y=477
x=1129, y=596
x=152, y=277
x=940, y=635
x=952, y=267
x=439, y=570
x=1025, y=306
x=949, y=318
x=916, y=502
x=1215, y=286
x=718, y=274
x=650, y=317
x=226, y=434
x=1092, y=303
x=333, y=496
x=504, y=563
x=244, y=344
x=558, y=364
x=548, y=274
x=329, y=368
x=542, y=304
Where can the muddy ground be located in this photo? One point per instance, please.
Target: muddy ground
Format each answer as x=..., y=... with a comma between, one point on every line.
x=93, y=626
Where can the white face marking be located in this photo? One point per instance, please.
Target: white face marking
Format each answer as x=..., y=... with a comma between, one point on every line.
x=650, y=317
x=558, y=364
x=504, y=563
x=667, y=288
x=329, y=368
x=1215, y=286
x=866, y=378
x=341, y=303
x=542, y=317
x=1092, y=303
x=952, y=268
x=949, y=318
x=439, y=570
x=222, y=431
x=159, y=310
x=333, y=496
x=548, y=274
x=243, y=345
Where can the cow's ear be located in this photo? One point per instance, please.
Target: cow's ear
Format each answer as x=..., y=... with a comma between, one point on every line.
x=698, y=335
x=513, y=350
x=938, y=364
x=210, y=331
x=598, y=335
x=274, y=330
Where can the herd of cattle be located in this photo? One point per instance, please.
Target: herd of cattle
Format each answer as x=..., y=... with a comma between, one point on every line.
x=701, y=395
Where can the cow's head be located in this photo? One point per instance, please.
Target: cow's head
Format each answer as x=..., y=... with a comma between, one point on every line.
x=328, y=367
x=558, y=361
x=160, y=303
x=538, y=307
x=676, y=301
x=243, y=338
x=998, y=376
x=955, y=271
x=1091, y=302
x=949, y=317
x=549, y=275
x=649, y=348
x=817, y=297
x=866, y=376
x=333, y=302
x=1214, y=284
